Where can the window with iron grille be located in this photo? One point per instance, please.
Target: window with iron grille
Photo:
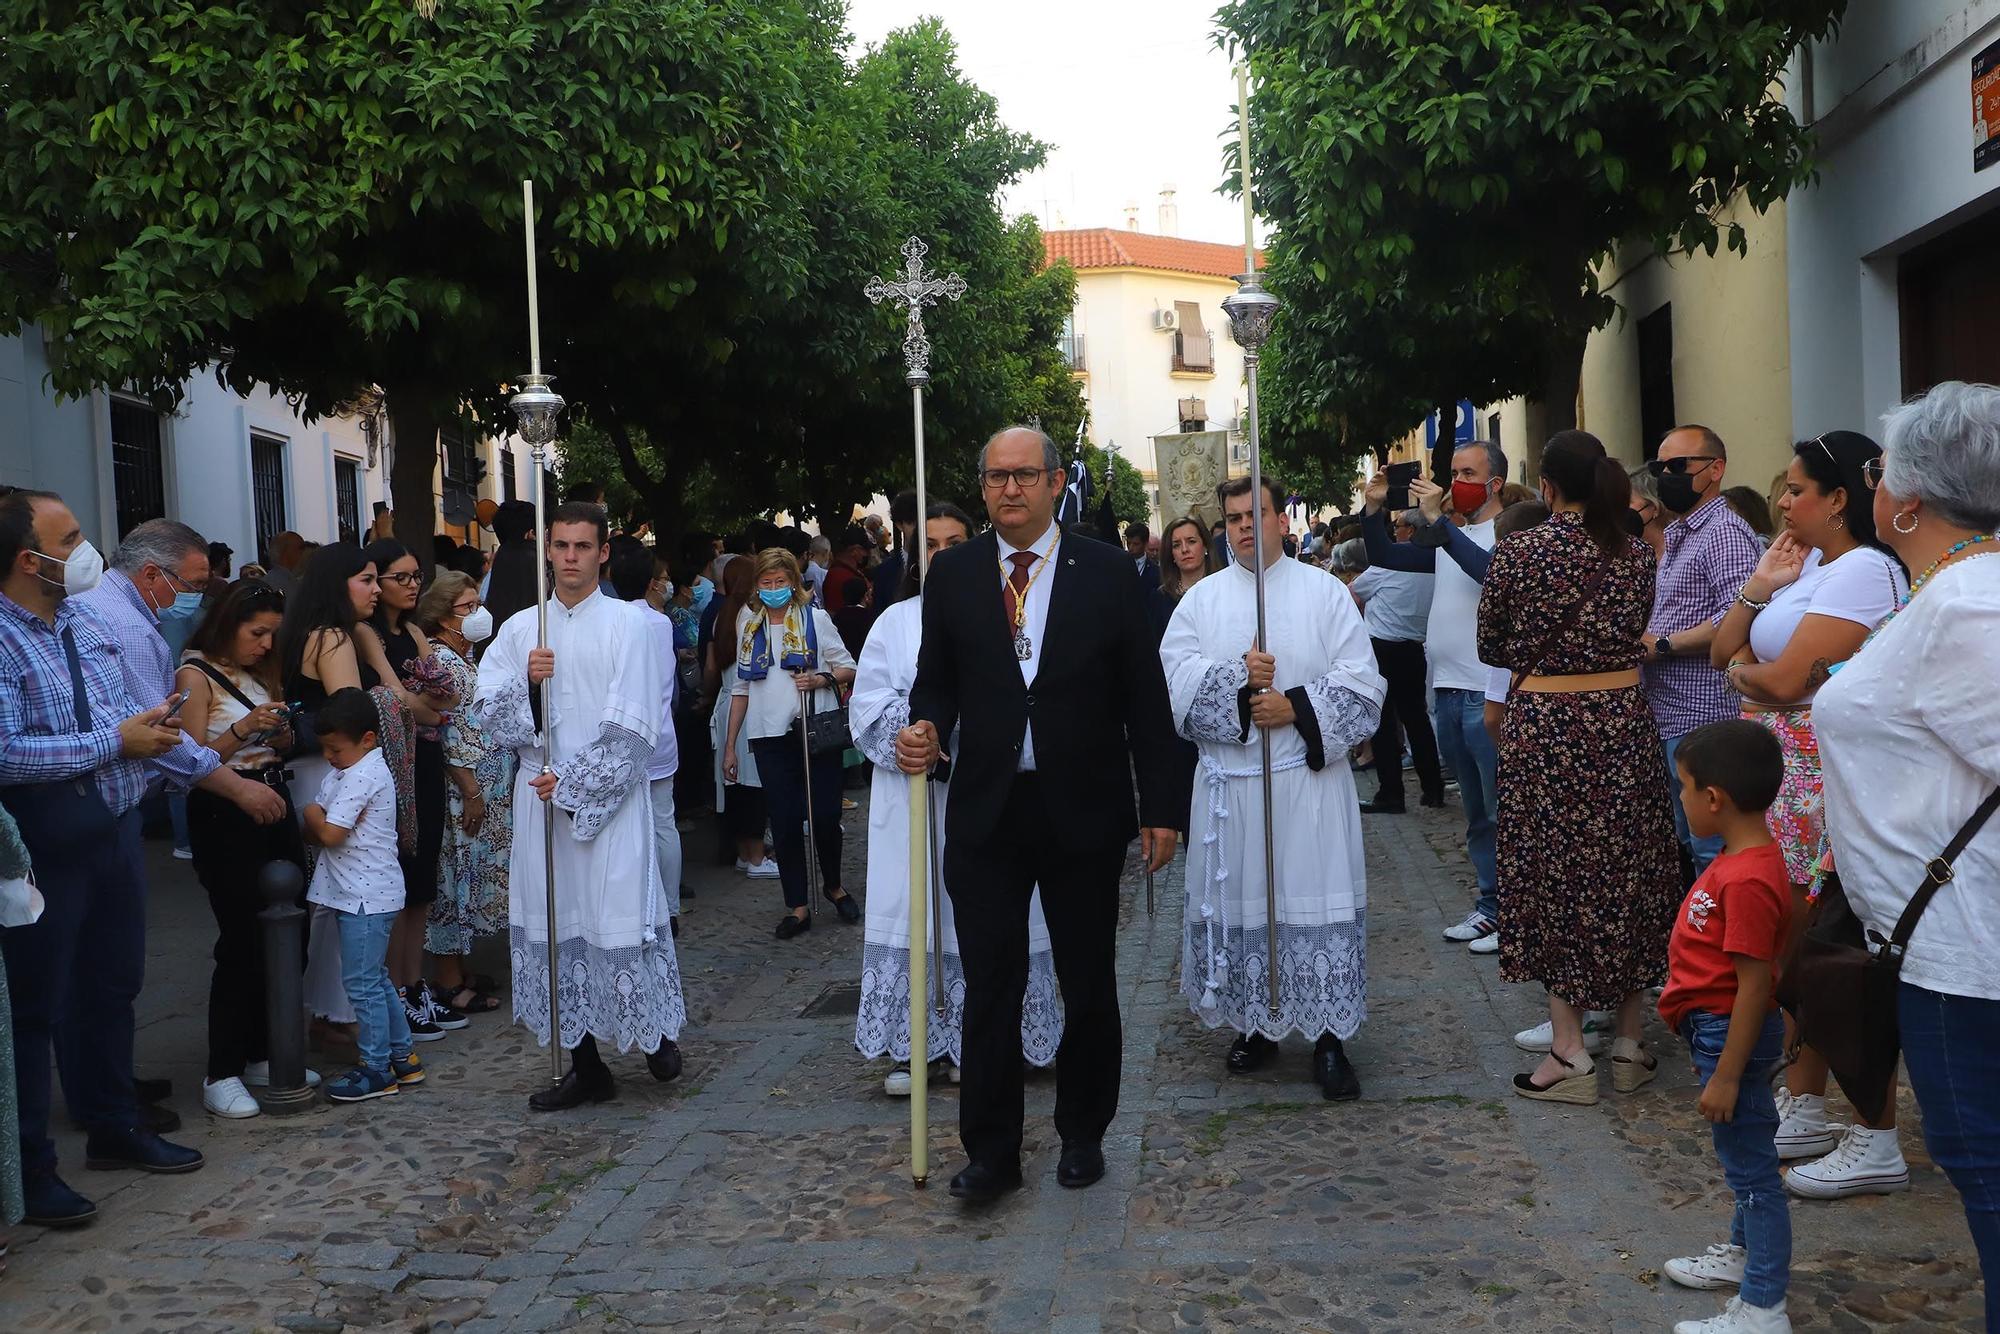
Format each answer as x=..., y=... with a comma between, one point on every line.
x=347, y=498
x=507, y=483
x=138, y=465
x=267, y=489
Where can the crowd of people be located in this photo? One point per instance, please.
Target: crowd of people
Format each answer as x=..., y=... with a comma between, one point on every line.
x=1770, y=723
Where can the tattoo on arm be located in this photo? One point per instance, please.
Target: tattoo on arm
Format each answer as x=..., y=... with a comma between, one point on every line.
x=1821, y=673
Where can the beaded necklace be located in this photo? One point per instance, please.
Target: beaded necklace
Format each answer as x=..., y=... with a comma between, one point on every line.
x=1918, y=582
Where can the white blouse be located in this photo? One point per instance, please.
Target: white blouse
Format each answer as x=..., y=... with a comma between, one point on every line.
x=1862, y=586
x=225, y=711
x=1909, y=736
x=774, y=701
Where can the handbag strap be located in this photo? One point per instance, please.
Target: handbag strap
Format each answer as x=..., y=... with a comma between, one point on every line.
x=1937, y=875
x=206, y=670
x=1563, y=626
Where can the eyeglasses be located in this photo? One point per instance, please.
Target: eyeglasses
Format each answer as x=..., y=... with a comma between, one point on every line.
x=996, y=479
x=1871, y=473
x=464, y=611
x=1679, y=467
x=406, y=579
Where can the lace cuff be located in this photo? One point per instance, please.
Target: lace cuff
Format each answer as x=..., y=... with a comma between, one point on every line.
x=506, y=717
x=600, y=776
x=1332, y=718
x=878, y=740
x=1221, y=708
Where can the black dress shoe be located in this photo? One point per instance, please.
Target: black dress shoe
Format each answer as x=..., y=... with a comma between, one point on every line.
x=983, y=1183
x=107, y=1150
x=666, y=1062
x=573, y=1091
x=1082, y=1165
x=1381, y=807
x=152, y=1090
x=159, y=1119
x=789, y=926
x=848, y=907
x=51, y=1203
x=1334, y=1072
x=1432, y=800
x=1251, y=1051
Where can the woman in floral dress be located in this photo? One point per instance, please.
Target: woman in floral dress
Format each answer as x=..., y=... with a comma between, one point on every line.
x=1588, y=884
x=472, y=877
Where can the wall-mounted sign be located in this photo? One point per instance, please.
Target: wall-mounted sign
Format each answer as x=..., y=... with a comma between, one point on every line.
x=1986, y=108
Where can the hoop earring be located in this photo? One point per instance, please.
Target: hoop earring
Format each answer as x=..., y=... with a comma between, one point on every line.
x=1838, y=521
x=1897, y=522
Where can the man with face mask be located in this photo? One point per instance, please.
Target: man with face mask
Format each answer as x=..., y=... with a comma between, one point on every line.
x=1707, y=555
x=76, y=754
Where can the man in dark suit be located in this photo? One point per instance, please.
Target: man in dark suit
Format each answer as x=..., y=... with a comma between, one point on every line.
x=1138, y=544
x=1036, y=651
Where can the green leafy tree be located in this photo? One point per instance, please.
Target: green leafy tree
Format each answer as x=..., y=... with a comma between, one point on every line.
x=1445, y=179
x=321, y=197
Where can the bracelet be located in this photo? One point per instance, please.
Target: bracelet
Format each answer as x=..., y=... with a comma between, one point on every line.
x=233, y=732
x=1751, y=602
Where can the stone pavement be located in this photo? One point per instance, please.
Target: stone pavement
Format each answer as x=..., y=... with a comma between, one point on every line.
x=769, y=1188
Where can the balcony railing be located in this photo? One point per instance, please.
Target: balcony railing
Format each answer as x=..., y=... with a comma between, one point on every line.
x=1201, y=346
x=1072, y=350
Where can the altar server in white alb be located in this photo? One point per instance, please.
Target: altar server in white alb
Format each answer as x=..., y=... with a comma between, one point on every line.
x=1316, y=691
x=619, y=979
x=880, y=709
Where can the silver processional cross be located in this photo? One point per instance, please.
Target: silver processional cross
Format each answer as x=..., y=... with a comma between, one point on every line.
x=915, y=289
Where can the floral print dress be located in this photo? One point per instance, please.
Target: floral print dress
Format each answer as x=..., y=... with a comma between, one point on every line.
x=472, y=876
x=1589, y=871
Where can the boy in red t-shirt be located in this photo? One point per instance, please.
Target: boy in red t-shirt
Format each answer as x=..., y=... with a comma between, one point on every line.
x=1721, y=975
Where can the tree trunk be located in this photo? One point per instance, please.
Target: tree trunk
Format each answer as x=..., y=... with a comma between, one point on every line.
x=414, y=420
x=664, y=504
x=1559, y=390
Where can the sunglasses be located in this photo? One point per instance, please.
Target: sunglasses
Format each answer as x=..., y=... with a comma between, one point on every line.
x=1679, y=467
x=1871, y=473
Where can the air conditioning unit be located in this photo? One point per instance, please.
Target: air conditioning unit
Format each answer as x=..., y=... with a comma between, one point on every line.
x=1166, y=321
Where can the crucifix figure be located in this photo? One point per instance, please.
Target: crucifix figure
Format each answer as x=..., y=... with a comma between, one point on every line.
x=916, y=290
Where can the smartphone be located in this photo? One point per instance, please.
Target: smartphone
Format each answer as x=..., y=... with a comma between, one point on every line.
x=1400, y=477
x=173, y=703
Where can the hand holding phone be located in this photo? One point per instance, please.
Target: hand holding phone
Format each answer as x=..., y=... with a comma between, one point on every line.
x=172, y=705
x=1400, y=477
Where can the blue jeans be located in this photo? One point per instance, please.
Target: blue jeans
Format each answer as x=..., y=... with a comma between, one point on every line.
x=1705, y=850
x=1953, y=1056
x=1747, y=1146
x=1463, y=741
x=177, y=816
x=382, y=1029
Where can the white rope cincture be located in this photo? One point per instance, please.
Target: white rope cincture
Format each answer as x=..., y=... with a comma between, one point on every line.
x=1215, y=873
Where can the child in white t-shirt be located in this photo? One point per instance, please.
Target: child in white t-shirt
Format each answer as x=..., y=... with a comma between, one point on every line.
x=357, y=877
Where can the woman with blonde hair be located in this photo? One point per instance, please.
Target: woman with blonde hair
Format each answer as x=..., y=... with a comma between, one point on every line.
x=790, y=660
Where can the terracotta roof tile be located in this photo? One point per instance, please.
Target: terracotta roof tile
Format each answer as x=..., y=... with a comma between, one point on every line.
x=1110, y=248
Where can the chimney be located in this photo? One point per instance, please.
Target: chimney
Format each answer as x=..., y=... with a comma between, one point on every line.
x=1170, y=216
x=1132, y=217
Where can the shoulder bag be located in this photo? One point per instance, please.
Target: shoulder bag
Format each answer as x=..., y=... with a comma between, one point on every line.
x=1563, y=626
x=826, y=729
x=1839, y=982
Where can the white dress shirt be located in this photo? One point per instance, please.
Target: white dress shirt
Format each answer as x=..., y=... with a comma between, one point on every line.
x=1037, y=620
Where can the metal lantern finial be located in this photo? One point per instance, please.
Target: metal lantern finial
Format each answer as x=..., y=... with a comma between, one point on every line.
x=1250, y=310
x=537, y=412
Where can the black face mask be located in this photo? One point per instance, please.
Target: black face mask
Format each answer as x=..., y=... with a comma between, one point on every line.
x=1635, y=523
x=1677, y=492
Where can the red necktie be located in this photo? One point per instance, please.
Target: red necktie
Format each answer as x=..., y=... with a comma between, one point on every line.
x=1017, y=586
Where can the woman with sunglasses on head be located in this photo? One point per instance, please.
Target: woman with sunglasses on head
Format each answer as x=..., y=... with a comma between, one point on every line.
x=228, y=674
x=1827, y=581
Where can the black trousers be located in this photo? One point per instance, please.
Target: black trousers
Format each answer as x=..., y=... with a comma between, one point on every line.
x=230, y=851
x=990, y=885
x=1401, y=662
x=781, y=768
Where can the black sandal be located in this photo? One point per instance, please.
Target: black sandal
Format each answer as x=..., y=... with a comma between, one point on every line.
x=481, y=1002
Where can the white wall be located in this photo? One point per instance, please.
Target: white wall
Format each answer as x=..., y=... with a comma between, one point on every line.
x=1895, y=170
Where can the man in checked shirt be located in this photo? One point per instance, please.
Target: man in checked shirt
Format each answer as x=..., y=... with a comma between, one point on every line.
x=76, y=755
x=1709, y=554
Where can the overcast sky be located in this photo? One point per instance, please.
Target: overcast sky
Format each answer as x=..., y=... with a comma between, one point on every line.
x=1131, y=95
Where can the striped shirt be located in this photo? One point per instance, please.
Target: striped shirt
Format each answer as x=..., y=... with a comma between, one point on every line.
x=1710, y=554
x=148, y=665
x=40, y=740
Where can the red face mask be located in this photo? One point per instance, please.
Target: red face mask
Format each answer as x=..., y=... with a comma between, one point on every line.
x=1468, y=498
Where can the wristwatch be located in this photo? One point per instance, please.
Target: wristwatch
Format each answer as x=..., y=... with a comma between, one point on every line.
x=1663, y=647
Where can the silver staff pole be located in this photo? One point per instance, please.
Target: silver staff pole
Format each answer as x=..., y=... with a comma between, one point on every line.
x=915, y=289
x=1250, y=310
x=538, y=411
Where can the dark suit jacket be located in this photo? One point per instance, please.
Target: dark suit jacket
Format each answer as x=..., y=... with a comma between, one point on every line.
x=1098, y=707
x=1149, y=574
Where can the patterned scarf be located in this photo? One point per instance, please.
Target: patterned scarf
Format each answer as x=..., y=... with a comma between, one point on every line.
x=398, y=739
x=798, y=650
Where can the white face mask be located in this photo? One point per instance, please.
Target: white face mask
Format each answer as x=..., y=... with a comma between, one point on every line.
x=80, y=572
x=477, y=626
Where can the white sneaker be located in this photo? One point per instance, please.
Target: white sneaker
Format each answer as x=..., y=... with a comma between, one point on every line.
x=764, y=870
x=1721, y=1266
x=1596, y=1028
x=228, y=1097
x=1803, y=1130
x=183, y=854
x=897, y=1085
x=257, y=1075
x=1866, y=1162
x=1475, y=925
x=1486, y=944
x=1739, y=1317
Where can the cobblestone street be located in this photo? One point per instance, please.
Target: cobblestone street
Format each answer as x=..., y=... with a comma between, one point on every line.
x=768, y=1187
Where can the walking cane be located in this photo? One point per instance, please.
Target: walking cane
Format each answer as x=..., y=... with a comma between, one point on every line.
x=812, y=831
x=536, y=409
x=1250, y=310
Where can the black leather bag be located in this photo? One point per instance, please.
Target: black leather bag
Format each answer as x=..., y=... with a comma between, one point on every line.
x=1839, y=983
x=826, y=729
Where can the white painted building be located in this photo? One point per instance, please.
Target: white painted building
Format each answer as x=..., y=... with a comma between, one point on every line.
x=236, y=468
